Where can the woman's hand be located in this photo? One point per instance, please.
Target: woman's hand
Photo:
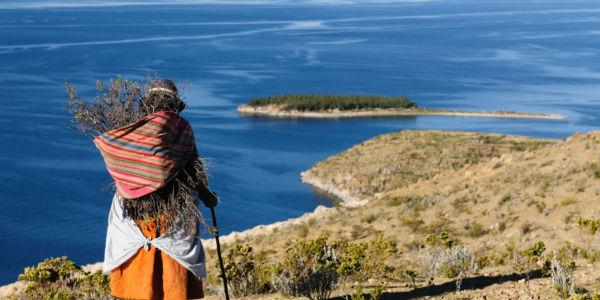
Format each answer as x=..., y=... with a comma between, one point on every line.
x=207, y=196
x=210, y=199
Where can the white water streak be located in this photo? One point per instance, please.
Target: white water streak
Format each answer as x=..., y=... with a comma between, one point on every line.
x=302, y=25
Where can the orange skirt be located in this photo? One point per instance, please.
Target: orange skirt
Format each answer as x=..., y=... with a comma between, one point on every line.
x=153, y=274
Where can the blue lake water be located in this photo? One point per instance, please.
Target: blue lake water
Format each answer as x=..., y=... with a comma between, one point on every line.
x=538, y=56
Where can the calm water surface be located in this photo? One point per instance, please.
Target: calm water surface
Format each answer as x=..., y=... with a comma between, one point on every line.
x=532, y=57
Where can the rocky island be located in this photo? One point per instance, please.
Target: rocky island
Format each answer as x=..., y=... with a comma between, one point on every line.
x=352, y=106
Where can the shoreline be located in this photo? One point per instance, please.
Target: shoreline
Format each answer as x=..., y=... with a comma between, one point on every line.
x=347, y=200
x=319, y=211
x=276, y=112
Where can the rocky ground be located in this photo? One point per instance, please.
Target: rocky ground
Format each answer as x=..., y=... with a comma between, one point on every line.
x=497, y=195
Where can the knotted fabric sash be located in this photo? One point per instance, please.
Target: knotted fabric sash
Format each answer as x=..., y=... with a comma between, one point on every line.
x=143, y=156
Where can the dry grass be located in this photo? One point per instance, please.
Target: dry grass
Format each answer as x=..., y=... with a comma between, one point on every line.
x=497, y=197
x=395, y=160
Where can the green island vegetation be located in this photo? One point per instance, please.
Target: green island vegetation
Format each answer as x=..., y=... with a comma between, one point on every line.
x=451, y=215
x=345, y=106
x=322, y=102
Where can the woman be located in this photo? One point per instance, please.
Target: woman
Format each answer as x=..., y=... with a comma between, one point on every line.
x=153, y=249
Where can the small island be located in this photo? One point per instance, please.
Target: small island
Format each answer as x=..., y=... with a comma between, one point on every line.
x=354, y=106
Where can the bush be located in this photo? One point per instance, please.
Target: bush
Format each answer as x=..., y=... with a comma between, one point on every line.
x=443, y=239
x=434, y=256
x=561, y=278
x=244, y=275
x=60, y=278
x=309, y=270
x=379, y=252
x=376, y=293
x=534, y=252
x=358, y=295
x=445, y=253
x=351, y=264
x=458, y=262
x=590, y=224
x=366, y=260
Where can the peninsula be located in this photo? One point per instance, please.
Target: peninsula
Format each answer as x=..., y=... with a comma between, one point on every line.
x=352, y=106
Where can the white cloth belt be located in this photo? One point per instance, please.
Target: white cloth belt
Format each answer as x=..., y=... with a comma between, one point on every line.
x=124, y=238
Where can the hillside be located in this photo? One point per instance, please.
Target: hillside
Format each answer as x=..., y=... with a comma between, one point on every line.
x=449, y=215
x=395, y=160
x=494, y=195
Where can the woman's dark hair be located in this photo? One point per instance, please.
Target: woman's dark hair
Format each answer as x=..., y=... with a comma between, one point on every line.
x=162, y=96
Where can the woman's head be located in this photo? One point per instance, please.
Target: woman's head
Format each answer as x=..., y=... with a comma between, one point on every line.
x=162, y=96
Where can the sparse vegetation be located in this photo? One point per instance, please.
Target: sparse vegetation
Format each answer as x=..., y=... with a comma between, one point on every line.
x=445, y=220
x=61, y=279
x=389, y=162
x=589, y=224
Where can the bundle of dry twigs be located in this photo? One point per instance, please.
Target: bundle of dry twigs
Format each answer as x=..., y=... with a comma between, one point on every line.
x=120, y=103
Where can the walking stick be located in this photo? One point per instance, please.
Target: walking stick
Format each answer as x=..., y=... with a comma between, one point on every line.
x=216, y=231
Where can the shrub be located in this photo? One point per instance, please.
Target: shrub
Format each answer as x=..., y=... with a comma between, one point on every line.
x=379, y=252
x=376, y=293
x=431, y=260
x=309, y=270
x=591, y=225
x=446, y=254
x=561, y=278
x=358, y=295
x=413, y=223
x=476, y=230
x=433, y=257
x=526, y=260
x=534, y=252
x=245, y=276
x=411, y=274
x=442, y=239
x=60, y=278
x=366, y=260
x=352, y=262
x=458, y=261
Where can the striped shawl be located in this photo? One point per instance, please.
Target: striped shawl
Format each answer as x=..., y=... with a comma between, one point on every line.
x=142, y=157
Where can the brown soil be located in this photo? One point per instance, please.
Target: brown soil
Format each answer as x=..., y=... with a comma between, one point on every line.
x=510, y=194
